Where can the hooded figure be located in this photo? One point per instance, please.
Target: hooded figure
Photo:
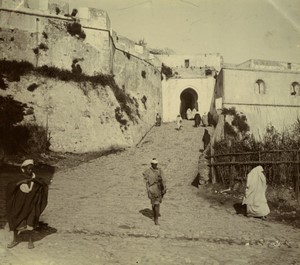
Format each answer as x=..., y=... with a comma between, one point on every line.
x=189, y=114
x=255, y=197
x=205, y=119
x=197, y=118
x=26, y=199
x=158, y=120
x=205, y=139
x=179, y=122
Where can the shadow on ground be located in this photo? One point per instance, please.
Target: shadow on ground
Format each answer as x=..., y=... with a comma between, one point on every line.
x=39, y=233
x=147, y=212
x=232, y=200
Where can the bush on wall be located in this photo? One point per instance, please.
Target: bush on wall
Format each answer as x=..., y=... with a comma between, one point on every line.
x=124, y=99
x=167, y=71
x=238, y=125
x=75, y=29
x=11, y=113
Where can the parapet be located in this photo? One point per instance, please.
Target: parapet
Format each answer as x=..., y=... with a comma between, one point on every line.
x=36, y=4
x=12, y=4
x=91, y=17
x=58, y=7
x=270, y=65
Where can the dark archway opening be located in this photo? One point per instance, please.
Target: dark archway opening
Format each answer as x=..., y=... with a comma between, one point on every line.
x=188, y=99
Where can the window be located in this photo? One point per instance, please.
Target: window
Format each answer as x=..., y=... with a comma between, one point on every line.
x=295, y=88
x=260, y=87
x=186, y=63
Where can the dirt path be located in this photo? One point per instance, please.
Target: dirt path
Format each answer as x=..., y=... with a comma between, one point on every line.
x=100, y=210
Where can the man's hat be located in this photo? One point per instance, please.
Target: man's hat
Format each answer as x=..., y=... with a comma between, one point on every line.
x=154, y=161
x=27, y=163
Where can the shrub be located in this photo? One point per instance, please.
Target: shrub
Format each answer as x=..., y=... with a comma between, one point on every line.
x=57, y=10
x=43, y=46
x=36, y=50
x=3, y=85
x=14, y=70
x=144, y=100
x=74, y=12
x=127, y=55
x=230, y=111
x=277, y=174
x=229, y=130
x=119, y=116
x=45, y=35
x=76, y=69
x=11, y=113
x=167, y=71
x=20, y=68
x=208, y=72
x=238, y=124
x=37, y=141
x=211, y=120
x=75, y=29
x=32, y=87
x=143, y=73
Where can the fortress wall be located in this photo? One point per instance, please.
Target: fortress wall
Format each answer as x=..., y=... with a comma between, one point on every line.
x=240, y=87
x=129, y=71
x=259, y=117
x=80, y=117
x=277, y=106
x=21, y=33
x=198, y=60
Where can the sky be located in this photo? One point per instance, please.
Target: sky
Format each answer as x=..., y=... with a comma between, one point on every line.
x=237, y=29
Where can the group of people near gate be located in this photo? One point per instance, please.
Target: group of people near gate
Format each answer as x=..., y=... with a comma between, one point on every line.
x=27, y=197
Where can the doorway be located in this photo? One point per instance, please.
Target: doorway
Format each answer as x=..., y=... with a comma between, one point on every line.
x=188, y=99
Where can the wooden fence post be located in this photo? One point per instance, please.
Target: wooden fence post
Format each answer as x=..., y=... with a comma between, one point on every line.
x=212, y=160
x=297, y=177
x=232, y=172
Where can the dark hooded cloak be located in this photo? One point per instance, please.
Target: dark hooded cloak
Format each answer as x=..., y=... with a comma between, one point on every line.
x=25, y=208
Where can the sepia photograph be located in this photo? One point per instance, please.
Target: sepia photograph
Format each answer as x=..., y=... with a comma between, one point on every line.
x=149, y=132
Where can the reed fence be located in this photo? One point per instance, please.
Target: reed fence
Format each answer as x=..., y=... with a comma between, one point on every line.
x=281, y=167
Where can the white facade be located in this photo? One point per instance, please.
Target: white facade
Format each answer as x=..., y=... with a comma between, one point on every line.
x=179, y=94
x=264, y=96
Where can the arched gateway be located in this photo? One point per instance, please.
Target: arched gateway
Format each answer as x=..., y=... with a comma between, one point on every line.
x=188, y=99
x=180, y=94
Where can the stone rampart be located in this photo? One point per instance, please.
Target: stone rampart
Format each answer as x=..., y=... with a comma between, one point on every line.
x=45, y=40
x=80, y=116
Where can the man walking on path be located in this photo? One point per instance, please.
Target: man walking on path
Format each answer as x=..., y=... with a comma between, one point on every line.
x=156, y=187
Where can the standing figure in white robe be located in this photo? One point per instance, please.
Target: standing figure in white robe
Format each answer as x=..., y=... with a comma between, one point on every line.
x=255, y=197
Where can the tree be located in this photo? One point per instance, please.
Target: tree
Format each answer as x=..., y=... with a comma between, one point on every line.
x=11, y=113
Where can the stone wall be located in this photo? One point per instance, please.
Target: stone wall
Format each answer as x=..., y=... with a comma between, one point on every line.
x=42, y=40
x=240, y=87
x=270, y=65
x=274, y=105
x=198, y=60
x=142, y=81
x=81, y=117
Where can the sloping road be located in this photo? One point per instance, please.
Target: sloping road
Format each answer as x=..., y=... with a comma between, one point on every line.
x=101, y=213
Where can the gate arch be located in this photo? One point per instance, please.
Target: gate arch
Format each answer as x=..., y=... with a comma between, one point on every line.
x=188, y=99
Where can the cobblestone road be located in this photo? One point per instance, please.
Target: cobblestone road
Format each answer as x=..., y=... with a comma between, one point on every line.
x=101, y=213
